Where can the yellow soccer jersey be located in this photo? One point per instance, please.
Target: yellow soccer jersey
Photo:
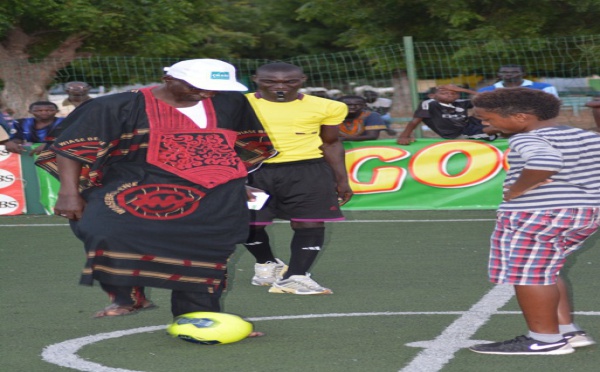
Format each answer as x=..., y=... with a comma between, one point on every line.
x=294, y=127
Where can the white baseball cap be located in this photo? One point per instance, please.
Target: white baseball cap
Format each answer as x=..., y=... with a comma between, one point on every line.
x=208, y=74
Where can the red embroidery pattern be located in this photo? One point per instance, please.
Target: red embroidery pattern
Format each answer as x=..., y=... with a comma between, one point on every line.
x=204, y=156
x=159, y=202
x=191, y=150
x=87, y=151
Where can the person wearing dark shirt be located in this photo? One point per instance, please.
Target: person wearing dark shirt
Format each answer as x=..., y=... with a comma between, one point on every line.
x=382, y=106
x=447, y=116
x=34, y=129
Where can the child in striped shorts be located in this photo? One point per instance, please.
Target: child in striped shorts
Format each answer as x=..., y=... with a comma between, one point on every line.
x=551, y=205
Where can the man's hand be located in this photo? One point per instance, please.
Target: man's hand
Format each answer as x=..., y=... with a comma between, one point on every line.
x=250, y=192
x=14, y=146
x=69, y=206
x=405, y=140
x=344, y=193
x=455, y=88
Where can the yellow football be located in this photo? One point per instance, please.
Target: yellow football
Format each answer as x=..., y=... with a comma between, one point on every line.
x=210, y=328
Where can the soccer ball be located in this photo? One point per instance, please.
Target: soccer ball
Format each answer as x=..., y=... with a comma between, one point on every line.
x=208, y=328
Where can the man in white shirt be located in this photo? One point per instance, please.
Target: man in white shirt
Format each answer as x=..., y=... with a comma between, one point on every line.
x=78, y=92
x=512, y=76
x=382, y=106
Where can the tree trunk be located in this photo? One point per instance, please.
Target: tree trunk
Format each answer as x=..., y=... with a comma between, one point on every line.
x=401, y=102
x=26, y=82
x=22, y=89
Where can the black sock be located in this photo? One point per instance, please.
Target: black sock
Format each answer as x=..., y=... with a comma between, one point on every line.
x=306, y=245
x=258, y=245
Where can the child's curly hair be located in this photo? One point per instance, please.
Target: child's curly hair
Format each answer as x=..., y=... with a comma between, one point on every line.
x=511, y=101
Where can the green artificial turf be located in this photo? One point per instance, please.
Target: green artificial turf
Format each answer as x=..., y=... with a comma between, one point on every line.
x=403, y=277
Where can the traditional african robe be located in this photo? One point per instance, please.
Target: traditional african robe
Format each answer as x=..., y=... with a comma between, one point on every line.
x=166, y=202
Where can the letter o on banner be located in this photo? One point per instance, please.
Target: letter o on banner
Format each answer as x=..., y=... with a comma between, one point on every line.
x=429, y=166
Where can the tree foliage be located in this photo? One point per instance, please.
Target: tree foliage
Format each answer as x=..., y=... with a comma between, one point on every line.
x=42, y=37
x=281, y=33
x=276, y=29
x=380, y=22
x=124, y=27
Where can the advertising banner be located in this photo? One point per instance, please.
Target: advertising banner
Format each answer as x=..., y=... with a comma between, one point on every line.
x=49, y=187
x=12, y=189
x=428, y=174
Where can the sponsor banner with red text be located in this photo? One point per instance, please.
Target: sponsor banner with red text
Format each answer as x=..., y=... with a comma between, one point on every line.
x=12, y=188
x=428, y=174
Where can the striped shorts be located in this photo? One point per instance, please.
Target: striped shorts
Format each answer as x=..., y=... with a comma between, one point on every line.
x=530, y=248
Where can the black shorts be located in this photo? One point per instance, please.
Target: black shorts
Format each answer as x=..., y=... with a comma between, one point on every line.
x=301, y=191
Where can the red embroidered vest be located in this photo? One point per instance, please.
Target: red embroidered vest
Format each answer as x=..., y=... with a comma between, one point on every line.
x=205, y=156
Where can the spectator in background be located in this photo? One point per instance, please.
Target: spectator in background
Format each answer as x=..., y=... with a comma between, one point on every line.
x=595, y=106
x=7, y=124
x=382, y=106
x=511, y=76
x=318, y=92
x=8, y=116
x=4, y=136
x=447, y=115
x=78, y=92
x=360, y=124
x=34, y=129
x=334, y=93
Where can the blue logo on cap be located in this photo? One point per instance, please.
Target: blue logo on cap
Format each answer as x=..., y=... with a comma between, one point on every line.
x=216, y=75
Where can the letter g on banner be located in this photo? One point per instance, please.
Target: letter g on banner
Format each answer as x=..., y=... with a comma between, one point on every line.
x=382, y=178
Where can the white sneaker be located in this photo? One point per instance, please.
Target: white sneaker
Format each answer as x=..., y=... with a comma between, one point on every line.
x=578, y=339
x=266, y=274
x=300, y=285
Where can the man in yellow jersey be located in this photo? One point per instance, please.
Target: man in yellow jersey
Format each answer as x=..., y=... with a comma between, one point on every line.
x=307, y=182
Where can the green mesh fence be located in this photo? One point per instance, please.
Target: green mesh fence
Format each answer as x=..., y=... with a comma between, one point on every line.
x=572, y=64
x=567, y=58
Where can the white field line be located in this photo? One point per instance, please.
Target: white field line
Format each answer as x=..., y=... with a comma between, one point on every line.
x=64, y=354
x=440, y=351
